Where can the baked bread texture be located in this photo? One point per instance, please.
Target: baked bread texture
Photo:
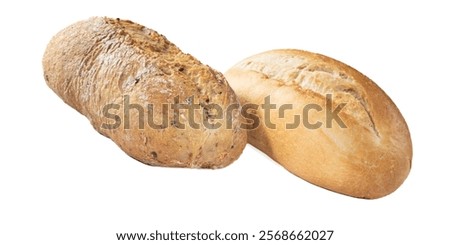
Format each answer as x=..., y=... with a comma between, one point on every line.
x=136, y=88
x=327, y=123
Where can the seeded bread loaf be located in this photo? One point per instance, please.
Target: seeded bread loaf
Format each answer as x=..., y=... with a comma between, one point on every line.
x=121, y=75
x=351, y=138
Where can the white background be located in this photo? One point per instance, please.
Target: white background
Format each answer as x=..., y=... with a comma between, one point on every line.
x=63, y=183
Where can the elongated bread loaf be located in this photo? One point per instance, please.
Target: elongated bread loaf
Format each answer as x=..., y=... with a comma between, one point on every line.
x=324, y=122
x=139, y=89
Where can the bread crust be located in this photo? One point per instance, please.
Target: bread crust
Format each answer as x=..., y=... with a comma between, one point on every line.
x=369, y=158
x=102, y=61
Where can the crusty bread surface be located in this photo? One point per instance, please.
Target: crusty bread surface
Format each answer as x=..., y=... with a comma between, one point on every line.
x=101, y=65
x=366, y=154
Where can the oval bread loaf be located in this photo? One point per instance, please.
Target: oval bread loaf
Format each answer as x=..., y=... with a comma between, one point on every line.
x=324, y=122
x=135, y=86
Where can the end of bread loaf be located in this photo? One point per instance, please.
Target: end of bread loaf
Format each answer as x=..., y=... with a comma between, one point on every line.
x=368, y=158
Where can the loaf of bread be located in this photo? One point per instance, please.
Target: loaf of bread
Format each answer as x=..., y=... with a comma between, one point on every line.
x=158, y=104
x=323, y=121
